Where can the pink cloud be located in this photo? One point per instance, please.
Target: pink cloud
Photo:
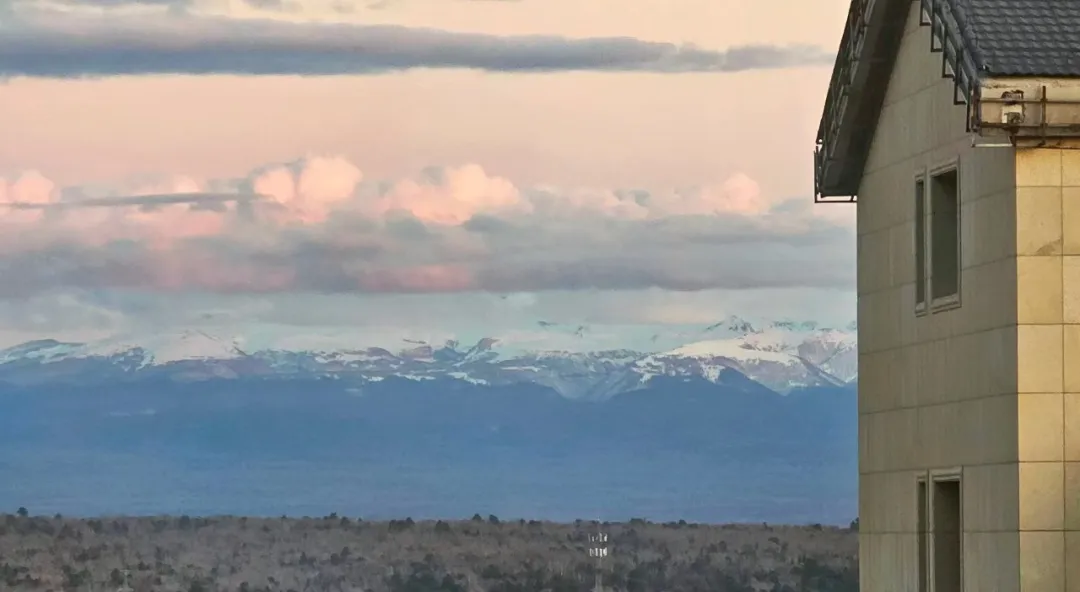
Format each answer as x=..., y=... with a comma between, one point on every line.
x=316, y=224
x=451, y=195
x=30, y=187
x=309, y=188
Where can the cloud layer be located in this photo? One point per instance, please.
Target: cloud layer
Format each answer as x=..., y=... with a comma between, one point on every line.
x=317, y=225
x=64, y=44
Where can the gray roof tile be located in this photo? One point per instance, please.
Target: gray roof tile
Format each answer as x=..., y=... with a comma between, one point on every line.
x=1023, y=37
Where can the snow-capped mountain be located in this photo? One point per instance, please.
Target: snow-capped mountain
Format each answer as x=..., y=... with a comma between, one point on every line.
x=781, y=357
x=576, y=361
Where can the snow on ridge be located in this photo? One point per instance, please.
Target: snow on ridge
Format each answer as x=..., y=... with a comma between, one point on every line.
x=779, y=355
x=159, y=349
x=734, y=349
x=168, y=347
x=767, y=345
x=835, y=337
x=465, y=377
x=779, y=344
x=773, y=340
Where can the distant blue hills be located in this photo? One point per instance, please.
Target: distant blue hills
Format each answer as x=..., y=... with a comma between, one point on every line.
x=729, y=421
x=718, y=449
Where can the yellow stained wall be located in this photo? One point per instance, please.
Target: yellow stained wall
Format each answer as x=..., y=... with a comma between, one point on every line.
x=1048, y=364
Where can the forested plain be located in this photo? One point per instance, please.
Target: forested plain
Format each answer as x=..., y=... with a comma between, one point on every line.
x=346, y=554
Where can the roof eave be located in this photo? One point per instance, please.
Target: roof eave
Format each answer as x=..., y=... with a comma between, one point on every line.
x=843, y=156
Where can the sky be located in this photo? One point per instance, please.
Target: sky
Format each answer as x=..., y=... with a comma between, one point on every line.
x=423, y=168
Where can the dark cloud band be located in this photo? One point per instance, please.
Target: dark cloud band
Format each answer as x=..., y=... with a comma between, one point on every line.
x=354, y=255
x=145, y=201
x=73, y=46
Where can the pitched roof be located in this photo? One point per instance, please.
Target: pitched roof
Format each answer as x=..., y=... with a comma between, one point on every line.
x=980, y=39
x=1023, y=37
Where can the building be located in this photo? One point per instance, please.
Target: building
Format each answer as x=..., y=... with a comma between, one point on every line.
x=954, y=126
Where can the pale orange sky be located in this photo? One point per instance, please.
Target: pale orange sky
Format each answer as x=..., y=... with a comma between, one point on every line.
x=746, y=138
x=592, y=129
x=650, y=130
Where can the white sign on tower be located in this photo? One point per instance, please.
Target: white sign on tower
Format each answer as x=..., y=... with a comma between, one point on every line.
x=598, y=549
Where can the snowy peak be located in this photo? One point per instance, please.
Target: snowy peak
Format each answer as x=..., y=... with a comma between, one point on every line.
x=161, y=348
x=796, y=326
x=732, y=324
x=783, y=357
x=577, y=361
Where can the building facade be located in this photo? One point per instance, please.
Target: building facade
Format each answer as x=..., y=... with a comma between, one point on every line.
x=954, y=127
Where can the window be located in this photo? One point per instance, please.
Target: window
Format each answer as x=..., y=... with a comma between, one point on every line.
x=922, y=499
x=920, y=245
x=945, y=237
x=947, y=535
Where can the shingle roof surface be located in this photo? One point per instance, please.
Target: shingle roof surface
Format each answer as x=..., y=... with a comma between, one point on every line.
x=1023, y=37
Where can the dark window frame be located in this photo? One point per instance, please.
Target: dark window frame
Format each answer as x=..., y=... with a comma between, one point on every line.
x=947, y=544
x=922, y=528
x=945, y=266
x=921, y=275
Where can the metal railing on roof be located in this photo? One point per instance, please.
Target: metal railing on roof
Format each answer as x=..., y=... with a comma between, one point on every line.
x=836, y=101
x=954, y=42
x=948, y=38
x=861, y=74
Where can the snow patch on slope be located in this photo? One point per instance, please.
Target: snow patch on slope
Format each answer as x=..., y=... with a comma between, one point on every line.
x=571, y=360
x=782, y=357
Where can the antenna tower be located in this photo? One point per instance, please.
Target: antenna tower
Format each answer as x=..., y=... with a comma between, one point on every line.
x=127, y=583
x=598, y=549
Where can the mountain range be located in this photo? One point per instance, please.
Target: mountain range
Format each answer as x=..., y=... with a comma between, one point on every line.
x=782, y=356
x=733, y=421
